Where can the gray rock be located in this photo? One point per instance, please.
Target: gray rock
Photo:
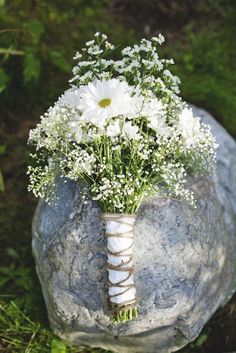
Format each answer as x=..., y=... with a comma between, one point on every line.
x=185, y=262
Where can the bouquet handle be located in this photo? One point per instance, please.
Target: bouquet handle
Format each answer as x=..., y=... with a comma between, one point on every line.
x=119, y=231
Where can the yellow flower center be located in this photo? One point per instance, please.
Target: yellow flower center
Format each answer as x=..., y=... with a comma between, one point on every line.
x=104, y=102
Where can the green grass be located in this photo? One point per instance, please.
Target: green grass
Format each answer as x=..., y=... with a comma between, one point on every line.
x=18, y=334
x=204, y=62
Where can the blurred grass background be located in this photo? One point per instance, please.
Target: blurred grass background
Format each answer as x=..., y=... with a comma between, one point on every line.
x=37, y=42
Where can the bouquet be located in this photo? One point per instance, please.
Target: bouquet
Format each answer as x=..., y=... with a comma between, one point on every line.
x=122, y=131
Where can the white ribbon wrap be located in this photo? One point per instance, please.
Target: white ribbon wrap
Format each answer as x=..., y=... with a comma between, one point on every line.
x=120, y=241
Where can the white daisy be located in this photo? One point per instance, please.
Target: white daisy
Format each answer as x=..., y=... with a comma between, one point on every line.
x=155, y=111
x=153, y=107
x=113, y=129
x=70, y=98
x=189, y=126
x=101, y=100
x=159, y=125
x=131, y=131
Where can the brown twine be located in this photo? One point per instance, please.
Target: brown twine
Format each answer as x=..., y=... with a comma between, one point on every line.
x=127, y=304
x=121, y=235
x=119, y=253
x=111, y=216
x=115, y=267
x=123, y=266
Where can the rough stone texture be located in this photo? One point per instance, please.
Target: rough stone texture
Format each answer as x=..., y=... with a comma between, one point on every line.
x=185, y=262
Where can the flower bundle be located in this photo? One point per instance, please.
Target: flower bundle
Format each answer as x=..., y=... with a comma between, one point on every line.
x=122, y=131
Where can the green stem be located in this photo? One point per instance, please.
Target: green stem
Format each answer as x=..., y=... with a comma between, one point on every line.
x=123, y=315
x=11, y=52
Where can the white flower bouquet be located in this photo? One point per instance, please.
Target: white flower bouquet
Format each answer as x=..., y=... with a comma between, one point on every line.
x=123, y=132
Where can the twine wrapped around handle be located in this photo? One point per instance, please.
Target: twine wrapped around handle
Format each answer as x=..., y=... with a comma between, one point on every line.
x=120, y=242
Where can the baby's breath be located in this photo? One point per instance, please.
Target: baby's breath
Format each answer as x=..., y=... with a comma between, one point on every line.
x=122, y=129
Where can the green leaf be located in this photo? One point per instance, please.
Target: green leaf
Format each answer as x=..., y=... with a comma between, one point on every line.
x=36, y=29
x=58, y=346
x=1, y=182
x=12, y=253
x=59, y=60
x=201, y=340
x=2, y=149
x=188, y=60
x=32, y=66
x=3, y=80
